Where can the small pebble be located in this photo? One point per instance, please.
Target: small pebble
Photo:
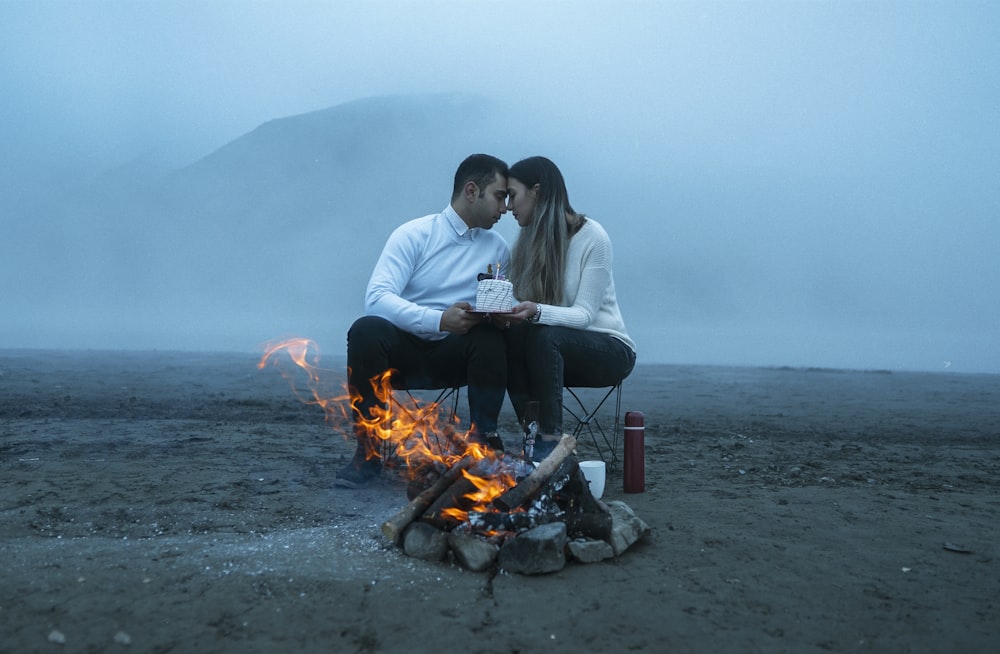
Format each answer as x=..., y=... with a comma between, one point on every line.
x=57, y=637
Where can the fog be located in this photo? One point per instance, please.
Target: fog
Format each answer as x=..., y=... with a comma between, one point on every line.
x=786, y=184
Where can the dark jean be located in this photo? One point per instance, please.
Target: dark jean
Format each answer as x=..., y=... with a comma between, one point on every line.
x=543, y=359
x=477, y=359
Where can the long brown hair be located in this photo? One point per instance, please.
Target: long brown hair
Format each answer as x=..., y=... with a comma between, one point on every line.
x=538, y=258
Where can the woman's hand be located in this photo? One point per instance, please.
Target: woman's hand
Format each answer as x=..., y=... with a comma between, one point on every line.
x=519, y=313
x=523, y=311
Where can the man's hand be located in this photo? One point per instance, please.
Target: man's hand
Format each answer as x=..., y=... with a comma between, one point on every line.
x=457, y=319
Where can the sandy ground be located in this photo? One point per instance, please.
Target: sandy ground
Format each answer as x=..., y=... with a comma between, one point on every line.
x=178, y=502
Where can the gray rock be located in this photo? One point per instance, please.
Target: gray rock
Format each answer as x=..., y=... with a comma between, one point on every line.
x=626, y=526
x=422, y=541
x=590, y=551
x=536, y=551
x=472, y=552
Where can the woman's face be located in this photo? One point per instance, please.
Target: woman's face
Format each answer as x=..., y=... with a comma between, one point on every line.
x=521, y=201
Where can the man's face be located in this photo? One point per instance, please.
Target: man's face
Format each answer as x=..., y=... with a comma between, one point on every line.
x=489, y=204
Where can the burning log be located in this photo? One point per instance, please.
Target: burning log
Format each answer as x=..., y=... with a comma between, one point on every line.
x=517, y=521
x=457, y=498
x=453, y=498
x=531, y=484
x=394, y=526
x=564, y=497
x=568, y=495
x=571, y=491
x=425, y=469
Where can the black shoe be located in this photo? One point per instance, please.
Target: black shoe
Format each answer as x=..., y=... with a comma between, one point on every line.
x=493, y=440
x=358, y=473
x=542, y=449
x=490, y=439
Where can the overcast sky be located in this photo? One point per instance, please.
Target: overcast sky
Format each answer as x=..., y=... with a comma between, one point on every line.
x=900, y=99
x=177, y=77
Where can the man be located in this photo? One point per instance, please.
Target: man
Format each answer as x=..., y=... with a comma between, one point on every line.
x=416, y=320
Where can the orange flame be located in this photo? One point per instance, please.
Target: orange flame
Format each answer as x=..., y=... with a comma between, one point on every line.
x=487, y=490
x=416, y=435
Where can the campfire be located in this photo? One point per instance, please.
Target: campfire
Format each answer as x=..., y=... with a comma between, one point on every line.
x=484, y=507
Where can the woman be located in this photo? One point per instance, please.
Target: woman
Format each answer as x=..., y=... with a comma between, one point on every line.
x=568, y=330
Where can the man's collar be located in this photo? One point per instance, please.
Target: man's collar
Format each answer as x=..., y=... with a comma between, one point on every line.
x=457, y=223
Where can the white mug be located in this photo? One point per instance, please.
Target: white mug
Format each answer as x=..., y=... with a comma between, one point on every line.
x=594, y=472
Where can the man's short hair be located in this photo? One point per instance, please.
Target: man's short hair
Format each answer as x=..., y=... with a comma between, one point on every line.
x=480, y=169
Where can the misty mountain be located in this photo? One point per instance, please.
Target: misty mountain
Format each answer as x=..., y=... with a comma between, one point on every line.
x=296, y=211
x=334, y=162
x=275, y=234
x=275, y=231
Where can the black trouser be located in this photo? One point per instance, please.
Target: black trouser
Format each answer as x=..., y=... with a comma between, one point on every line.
x=542, y=359
x=477, y=359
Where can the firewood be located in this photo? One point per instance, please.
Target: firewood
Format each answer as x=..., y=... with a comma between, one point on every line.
x=569, y=489
x=491, y=521
x=596, y=526
x=531, y=484
x=394, y=526
x=567, y=494
x=454, y=497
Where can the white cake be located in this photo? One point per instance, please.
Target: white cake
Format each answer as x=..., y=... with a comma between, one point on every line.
x=494, y=295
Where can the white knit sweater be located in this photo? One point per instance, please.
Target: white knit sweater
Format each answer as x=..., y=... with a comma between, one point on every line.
x=589, y=300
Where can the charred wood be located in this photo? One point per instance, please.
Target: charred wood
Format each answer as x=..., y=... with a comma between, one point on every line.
x=394, y=526
x=494, y=521
x=530, y=486
x=454, y=497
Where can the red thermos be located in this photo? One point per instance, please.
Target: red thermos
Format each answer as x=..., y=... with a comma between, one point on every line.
x=635, y=452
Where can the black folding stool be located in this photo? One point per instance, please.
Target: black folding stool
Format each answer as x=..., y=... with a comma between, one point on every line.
x=604, y=440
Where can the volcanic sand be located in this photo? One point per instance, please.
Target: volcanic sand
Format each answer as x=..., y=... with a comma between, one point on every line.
x=184, y=502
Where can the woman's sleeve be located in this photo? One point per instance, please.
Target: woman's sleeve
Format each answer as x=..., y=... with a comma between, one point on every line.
x=593, y=270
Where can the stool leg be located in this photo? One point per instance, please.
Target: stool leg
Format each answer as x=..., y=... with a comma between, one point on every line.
x=588, y=419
